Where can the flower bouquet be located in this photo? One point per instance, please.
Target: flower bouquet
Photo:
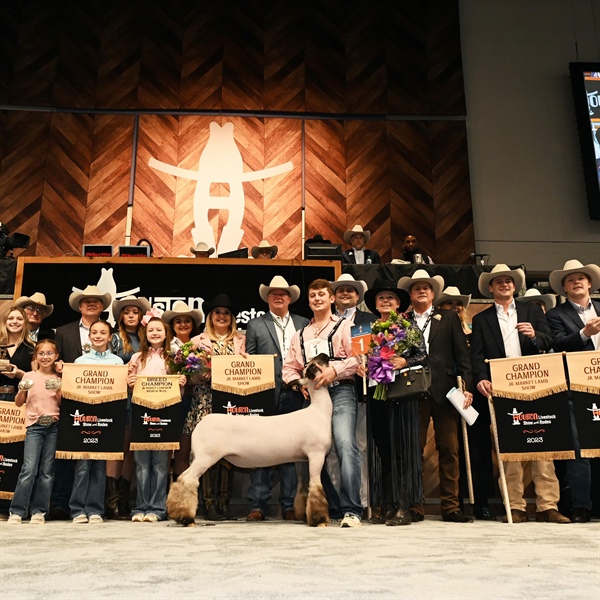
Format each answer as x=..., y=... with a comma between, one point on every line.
x=392, y=338
x=191, y=361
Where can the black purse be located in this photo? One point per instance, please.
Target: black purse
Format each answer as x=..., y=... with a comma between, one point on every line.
x=410, y=384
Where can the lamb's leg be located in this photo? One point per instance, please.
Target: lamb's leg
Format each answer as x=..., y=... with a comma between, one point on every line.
x=301, y=492
x=317, y=509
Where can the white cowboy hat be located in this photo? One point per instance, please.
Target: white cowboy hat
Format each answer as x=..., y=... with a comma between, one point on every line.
x=452, y=294
x=264, y=245
x=534, y=295
x=279, y=283
x=574, y=266
x=119, y=305
x=37, y=299
x=356, y=229
x=202, y=247
x=500, y=270
x=436, y=282
x=181, y=309
x=346, y=279
x=91, y=291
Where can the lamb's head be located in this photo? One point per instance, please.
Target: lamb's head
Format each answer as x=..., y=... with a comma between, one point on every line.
x=311, y=370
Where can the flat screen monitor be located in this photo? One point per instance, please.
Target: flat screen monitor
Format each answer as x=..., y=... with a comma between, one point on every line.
x=320, y=251
x=585, y=79
x=134, y=251
x=239, y=253
x=97, y=250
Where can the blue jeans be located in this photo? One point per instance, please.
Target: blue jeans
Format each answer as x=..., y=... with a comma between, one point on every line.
x=151, y=472
x=259, y=492
x=89, y=485
x=37, y=473
x=345, y=409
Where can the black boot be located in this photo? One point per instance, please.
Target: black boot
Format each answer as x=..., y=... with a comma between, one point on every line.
x=111, y=501
x=208, y=482
x=400, y=517
x=123, y=485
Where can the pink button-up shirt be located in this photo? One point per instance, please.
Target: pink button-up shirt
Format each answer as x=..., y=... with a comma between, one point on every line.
x=342, y=348
x=155, y=363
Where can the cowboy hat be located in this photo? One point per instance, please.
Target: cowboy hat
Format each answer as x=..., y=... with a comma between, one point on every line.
x=534, y=295
x=119, y=305
x=346, y=279
x=500, y=270
x=181, y=309
x=386, y=286
x=356, y=229
x=91, y=291
x=220, y=300
x=37, y=299
x=264, y=245
x=436, y=282
x=279, y=283
x=574, y=266
x=202, y=247
x=452, y=294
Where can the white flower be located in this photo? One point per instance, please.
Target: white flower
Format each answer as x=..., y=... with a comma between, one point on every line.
x=437, y=317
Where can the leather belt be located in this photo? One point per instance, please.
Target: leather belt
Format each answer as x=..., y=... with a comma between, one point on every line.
x=342, y=382
x=7, y=389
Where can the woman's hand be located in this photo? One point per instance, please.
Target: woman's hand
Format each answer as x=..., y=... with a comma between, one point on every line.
x=131, y=379
x=399, y=362
x=182, y=380
x=14, y=373
x=362, y=370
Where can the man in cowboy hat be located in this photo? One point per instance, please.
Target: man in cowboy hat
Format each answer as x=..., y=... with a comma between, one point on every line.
x=272, y=333
x=37, y=310
x=510, y=329
x=264, y=250
x=575, y=325
x=544, y=301
x=357, y=238
x=448, y=357
x=71, y=339
x=202, y=250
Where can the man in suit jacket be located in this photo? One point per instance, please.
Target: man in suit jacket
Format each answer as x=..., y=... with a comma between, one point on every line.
x=357, y=238
x=511, y=329
x=271, y=333
x=448, y=357
x=37, y=310
x=575, y=325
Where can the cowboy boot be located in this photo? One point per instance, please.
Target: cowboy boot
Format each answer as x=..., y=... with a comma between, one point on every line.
x=225, y=487
x=111, y=501
x=123, y=486
x=209, y=481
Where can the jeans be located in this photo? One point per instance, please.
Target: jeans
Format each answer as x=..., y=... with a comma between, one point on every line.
x=37, y=471
x=259, y=492
x=89, y=484
x=151, y=472
x=345, y=409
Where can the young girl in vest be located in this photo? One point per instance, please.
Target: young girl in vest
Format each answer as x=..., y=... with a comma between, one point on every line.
x=151, y=466
x=38, y=390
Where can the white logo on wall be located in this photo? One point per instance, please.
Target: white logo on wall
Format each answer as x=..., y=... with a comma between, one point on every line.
x=220, y=162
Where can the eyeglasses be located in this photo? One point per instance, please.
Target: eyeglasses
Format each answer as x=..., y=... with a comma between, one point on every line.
x=48, y=354
x=34, y=309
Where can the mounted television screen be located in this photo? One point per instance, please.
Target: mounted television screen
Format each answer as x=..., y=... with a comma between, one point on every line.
x=134, y=251
x=319, y=251
x=585, y=79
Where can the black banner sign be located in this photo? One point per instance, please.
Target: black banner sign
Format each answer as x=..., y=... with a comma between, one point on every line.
x=11, y=461
x=155, y=429
x=587, y=417
x=91, y=431
x=534, y=429
x=261, y=403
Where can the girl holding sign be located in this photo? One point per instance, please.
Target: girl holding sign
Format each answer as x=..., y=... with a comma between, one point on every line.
x=40, y=391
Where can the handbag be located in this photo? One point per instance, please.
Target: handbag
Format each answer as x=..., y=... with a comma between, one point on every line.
x=413, y=383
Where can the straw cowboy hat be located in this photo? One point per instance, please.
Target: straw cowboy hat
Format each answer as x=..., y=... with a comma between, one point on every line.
x=220, y=300
x=264, y=245
x=279, y=283
x=436, y=282
x=356, y=229
x=119, y=305
x=452, y=294
x=534, y=295
x=202, y=247
x=386, y=286
x=181, y=309
x=36, y=299
x=346, y=279
x=574, y=266
x=500, y=270
x=91, y=291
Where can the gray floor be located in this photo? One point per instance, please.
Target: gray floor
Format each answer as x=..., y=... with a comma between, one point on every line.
x=274, y=559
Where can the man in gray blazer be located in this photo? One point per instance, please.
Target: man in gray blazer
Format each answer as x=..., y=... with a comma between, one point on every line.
x=271, y=334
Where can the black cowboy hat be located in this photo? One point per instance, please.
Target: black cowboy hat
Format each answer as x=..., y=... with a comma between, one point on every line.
x=220, y=300
x=386, y=286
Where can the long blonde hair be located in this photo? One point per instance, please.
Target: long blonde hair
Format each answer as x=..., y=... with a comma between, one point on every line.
x=209, y=327
x=4, y=331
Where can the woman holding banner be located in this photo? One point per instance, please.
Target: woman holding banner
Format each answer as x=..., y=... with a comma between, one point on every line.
x=220, y=337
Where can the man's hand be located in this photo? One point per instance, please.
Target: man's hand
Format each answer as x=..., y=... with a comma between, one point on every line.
x=592, y=327
x=468, y=399
x=326, y=376
x=485, y=387
x=526, y=329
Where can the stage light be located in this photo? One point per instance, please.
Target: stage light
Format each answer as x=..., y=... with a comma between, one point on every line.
x=9, y=242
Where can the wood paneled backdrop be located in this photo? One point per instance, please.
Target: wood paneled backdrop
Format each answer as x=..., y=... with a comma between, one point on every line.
x=376, y=85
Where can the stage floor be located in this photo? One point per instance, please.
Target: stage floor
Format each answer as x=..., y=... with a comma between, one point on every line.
x=276, y=559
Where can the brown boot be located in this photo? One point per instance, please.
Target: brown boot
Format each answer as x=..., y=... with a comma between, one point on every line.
x=208, y=482
x=225, y=487
x=111, y=501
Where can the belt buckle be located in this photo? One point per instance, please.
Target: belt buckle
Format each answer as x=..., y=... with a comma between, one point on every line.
x=45, y=420
x=334, y=384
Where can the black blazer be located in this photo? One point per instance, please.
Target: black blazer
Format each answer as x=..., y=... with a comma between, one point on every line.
x=261, y=338
x=448, y=354
x=349, y=259
x=486, y=340
x=362, y=317
x=565, y=325
x=68, y=342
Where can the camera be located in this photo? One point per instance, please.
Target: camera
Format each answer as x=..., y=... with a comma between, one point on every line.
x=9, y=242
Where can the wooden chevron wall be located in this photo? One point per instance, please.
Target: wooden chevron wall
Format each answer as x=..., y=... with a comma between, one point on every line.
x=366, y=99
